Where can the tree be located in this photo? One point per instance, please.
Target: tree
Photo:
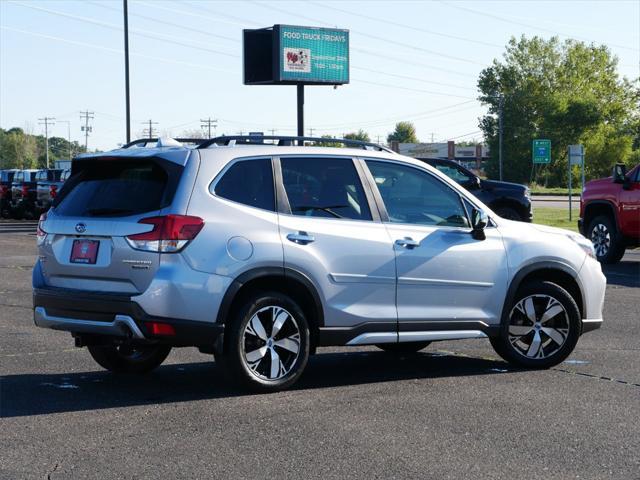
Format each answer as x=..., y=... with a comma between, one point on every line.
x=359, y=135
x=568, y=92
x=405, y=132
x=329, y=143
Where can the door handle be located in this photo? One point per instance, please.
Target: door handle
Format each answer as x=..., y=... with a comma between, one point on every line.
x=301, y=238
x=407, y=242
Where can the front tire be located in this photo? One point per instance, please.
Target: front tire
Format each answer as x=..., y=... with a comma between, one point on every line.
x=602, y=233
x=542, y=327
x=402, y=347
x=129, y=359
x=267, y=344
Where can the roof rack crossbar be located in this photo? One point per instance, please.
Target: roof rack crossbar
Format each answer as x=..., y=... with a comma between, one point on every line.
x=145, y=141
x=284, y=141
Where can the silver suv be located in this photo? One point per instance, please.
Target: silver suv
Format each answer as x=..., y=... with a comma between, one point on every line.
x=259, y=253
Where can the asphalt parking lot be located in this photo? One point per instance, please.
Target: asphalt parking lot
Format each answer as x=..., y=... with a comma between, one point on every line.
x=452, y=411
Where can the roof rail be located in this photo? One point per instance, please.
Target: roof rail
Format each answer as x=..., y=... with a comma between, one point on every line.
x=143, y=142
x=285, y=141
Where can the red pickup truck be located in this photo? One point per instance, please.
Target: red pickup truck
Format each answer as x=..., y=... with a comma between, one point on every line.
x=610, y=213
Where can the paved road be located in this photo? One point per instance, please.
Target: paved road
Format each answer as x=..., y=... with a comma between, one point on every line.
x=556, y=201
x=454, y=411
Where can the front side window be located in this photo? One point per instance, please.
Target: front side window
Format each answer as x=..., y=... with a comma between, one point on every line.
x=249, y=182
x=324, y=187
x=417, y=197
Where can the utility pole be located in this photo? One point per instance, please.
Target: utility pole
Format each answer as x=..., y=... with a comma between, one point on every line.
x=311, y=132
x=149, y=130
x=208, y=123
x=378, y=139
x=86, y=116
x=273, y=132
x=46, y=121
x=500, y=130
x=125, y=9
x=433, y=137
x=68, y=136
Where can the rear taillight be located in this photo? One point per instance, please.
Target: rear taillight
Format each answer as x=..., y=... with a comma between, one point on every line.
x=40, y=233
x=170, y=233
x=3, y=191
x=53, y=191
x=25, y=190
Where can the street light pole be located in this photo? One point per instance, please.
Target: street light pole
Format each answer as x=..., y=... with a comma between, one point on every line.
x=126, y=67
x=500, y=130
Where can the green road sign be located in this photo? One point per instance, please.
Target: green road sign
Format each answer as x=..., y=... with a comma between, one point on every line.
x=541, y=151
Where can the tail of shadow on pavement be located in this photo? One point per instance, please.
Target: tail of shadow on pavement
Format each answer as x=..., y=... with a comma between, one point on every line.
x=41, y=394
x=625, y=273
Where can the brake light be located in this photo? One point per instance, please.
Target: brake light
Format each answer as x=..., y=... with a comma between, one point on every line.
x=40, y=233
x=25, y=190
x=3, y=191
x=170, y=233
x=53, y=191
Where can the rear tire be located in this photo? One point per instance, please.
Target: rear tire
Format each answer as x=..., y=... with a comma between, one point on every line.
x=266, y=343
x=607, y=243
x=403, y=347
x=126, y=359
x=542, y=327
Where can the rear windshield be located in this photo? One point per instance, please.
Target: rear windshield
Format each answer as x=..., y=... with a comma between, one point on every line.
x=108, y=188
x=48, y=175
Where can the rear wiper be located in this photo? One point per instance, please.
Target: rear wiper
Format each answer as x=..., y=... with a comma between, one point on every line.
x=97, y=212
x=327, y=208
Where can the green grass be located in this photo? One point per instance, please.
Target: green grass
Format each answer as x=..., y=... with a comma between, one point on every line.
x=556, y=217
x=540, y=190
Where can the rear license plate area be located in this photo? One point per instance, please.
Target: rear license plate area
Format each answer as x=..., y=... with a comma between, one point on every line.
x=84, y=251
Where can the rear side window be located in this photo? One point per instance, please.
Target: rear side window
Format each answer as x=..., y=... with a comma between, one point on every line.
x=249, y=182
x=118, y=188
x=324, y=187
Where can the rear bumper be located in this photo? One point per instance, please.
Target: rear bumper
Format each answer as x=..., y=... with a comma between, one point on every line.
x=109, y=315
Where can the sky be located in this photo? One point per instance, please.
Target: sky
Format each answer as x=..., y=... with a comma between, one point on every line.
x=410, y=60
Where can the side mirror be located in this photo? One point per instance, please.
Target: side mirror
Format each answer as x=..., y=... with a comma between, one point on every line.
x=479, y=221
x=473, y=183
x=619, y=173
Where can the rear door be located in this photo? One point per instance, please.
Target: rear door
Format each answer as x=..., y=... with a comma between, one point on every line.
x=331, y=233
x=85, y=247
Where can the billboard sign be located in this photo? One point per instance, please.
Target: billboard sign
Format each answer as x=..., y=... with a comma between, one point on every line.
x=312, y=55
x=541, y=151
x=296, y=55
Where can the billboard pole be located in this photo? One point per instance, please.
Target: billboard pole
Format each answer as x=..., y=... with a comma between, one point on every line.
x=300, y=88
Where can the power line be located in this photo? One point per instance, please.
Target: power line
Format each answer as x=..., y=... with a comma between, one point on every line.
x=86, y=115
x=46, y=121
x=522, y=24
x=386, y=21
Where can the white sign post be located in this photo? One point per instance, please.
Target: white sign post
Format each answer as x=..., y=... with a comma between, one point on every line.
x=576, y=157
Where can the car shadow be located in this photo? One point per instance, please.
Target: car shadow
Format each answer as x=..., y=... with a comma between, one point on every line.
x=41, y=394
x=625, y=273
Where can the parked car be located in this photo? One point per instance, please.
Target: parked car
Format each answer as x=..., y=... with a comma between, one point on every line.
x=509, y=200
x=6, y=178
x=48, y=183
x=23, y=194
x=610, y=213
x=261, y=253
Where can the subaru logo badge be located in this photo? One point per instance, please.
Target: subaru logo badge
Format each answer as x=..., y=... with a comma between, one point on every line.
x=81, y=228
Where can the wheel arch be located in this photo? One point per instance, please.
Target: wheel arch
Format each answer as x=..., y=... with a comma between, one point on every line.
x=559, y=273
x=599, y=207
x=285, y=280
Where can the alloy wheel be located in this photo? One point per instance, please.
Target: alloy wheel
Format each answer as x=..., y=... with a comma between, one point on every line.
x=538, y=326
x=271, y=342
x=601, y=239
